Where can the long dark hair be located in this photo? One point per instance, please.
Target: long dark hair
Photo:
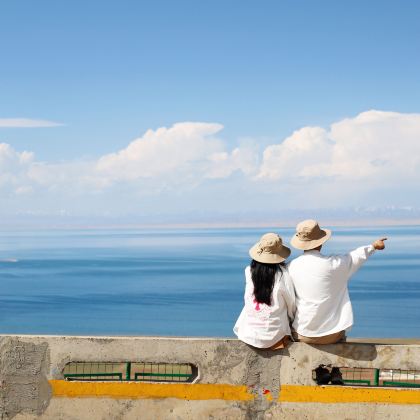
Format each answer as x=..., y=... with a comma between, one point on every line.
x=263, y=276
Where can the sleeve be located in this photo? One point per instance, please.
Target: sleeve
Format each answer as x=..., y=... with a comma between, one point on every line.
x=355, y=259
x=288, y=292
x=249, y=287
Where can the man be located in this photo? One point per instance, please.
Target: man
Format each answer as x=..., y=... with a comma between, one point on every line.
x=323, y=307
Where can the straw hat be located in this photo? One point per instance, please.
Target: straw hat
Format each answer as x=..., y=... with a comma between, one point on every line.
x=309, y=235
x=269, y=249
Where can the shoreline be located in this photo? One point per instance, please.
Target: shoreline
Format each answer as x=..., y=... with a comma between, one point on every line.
x=213, y=225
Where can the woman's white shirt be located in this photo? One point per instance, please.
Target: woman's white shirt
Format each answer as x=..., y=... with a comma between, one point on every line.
x=262, y=325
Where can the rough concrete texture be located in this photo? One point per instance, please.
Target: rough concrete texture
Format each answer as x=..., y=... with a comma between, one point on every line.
x=305, y=357
x=27, y=362
x=168, y=409
x=23, y=377
x=172, y=409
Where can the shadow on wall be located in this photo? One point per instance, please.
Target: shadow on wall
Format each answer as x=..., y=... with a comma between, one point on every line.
x=354, y=351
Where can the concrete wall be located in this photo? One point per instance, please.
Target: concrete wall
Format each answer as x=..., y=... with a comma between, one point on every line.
x=235, y=381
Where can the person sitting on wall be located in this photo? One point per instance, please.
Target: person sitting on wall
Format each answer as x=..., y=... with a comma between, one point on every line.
x=269, y=296
x=323, y=307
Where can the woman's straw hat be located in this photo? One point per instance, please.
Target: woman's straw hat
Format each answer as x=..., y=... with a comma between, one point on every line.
x=269, y=249
x=309, y=235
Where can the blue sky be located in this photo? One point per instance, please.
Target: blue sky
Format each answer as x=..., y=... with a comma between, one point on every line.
x=111, y=70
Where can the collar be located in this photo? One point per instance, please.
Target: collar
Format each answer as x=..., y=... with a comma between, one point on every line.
x=312, y=251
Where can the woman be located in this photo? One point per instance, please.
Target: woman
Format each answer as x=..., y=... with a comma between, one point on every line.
x=269, y=296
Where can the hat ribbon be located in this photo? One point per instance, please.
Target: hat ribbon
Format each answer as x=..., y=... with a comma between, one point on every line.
x=260, y=250
x=304, y=236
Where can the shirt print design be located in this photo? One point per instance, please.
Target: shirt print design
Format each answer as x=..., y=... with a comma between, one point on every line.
x=259, y=313
x=257, y=305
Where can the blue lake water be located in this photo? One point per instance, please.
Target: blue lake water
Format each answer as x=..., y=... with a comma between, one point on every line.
x=181, y=281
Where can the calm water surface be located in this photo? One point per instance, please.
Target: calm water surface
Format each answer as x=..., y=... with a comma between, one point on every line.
x=181, y=282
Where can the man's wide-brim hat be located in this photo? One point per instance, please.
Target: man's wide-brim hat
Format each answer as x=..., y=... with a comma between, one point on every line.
x=269, y=249
x=309, y=235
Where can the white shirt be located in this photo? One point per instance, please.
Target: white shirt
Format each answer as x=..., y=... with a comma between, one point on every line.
x=262, y=325
x=323, y=304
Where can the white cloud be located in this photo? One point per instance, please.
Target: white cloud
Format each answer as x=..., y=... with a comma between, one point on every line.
x=184, y=147
x=185, y=152
x=352, y=162
x=181, y=156
x=299, y=155
x=26, y=123
x=244, y=159
x=374, y=147
x=13, y=168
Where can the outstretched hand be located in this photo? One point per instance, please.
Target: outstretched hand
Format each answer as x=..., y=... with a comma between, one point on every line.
x=379, y=244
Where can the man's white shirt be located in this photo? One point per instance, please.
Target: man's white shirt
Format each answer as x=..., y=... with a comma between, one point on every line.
x=323, y=304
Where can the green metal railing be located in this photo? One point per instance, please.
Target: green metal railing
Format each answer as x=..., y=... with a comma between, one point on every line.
x=379, y=377
x=130, y=371
x=401, y=377
x=401, y=384
x=376, y=377
x=93, y=376
x=356, y=381
x=151, y=374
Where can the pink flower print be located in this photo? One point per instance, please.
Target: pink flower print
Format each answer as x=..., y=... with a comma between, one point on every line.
x=257, y=305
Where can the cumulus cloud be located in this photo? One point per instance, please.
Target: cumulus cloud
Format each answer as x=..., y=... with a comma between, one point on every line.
x=375, y=144
x=337, y=165
x=183, y=155
x=26, y=123
x=13, y=169
x=184, y=147
x=376, y=147
x=184, y=152
x=301, y=154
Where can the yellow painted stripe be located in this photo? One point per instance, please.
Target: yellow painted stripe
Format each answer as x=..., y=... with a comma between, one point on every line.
x=130, y=390
x=288, y=393
x=339, y=394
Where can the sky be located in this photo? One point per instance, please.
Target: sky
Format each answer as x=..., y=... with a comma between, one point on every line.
x=208, y=110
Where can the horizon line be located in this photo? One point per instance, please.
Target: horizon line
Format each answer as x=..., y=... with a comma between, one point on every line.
x=207, y=225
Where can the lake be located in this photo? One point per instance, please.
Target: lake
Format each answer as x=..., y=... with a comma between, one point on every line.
x=182, y=281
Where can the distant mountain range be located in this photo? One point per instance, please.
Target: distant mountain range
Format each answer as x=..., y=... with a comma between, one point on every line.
x=390, y=215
